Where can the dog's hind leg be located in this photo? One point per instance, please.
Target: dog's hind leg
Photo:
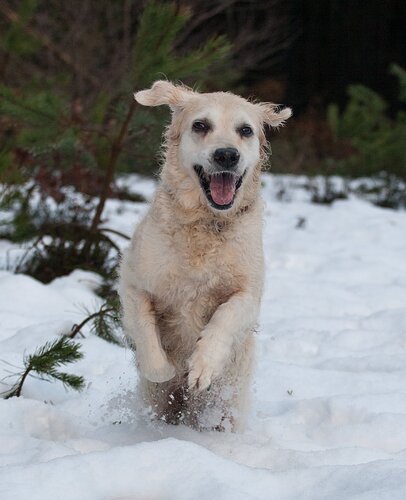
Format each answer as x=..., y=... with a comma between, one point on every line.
x=140, y=326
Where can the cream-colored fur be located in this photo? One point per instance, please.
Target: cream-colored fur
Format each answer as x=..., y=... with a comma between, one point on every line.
x=191, y=281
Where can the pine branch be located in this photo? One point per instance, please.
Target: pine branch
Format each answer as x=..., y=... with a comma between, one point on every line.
x=77, y=328
x=45, y=361
x=104, y=322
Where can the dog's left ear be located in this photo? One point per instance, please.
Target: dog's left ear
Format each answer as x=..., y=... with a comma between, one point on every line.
x=164, y=92
x=274, y=116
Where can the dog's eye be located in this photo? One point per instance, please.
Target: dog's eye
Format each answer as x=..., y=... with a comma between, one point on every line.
x=199, y=126
x=245, y=131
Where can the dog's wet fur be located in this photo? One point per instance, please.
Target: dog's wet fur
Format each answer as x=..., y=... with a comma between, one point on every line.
x=191, y=281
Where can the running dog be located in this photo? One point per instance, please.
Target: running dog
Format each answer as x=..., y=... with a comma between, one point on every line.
x=191, y=281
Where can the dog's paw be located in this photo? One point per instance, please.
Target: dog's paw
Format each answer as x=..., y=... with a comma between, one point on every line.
x=200, y=375
x=205, y=364
x=158, y=371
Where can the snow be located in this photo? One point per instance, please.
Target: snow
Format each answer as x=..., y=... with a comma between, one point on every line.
x=328, y=418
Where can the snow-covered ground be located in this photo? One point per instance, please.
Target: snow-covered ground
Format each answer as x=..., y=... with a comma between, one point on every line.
x=328, y=419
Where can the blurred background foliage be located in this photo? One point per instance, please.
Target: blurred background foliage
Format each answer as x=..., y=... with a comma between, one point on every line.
x=68, y=71
x=68, y=118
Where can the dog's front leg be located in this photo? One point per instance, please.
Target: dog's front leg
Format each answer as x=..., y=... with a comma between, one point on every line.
x=140, y=326
x=226, y=326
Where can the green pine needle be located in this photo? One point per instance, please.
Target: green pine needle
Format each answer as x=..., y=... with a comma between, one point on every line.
x=45, y=361
x=104, y=325
x=54, y=354
x=153, y=53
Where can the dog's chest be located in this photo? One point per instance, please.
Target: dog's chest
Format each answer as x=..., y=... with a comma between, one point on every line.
x=199, y=265
x=201, y=272
x=206, y=253
x=202, y=247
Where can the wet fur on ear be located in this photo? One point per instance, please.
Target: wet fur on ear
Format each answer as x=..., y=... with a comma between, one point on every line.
x=164, y=92
x=273, y=116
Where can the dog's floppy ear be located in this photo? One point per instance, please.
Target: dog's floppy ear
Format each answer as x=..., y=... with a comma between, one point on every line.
x=274, y=116
x=164, y=92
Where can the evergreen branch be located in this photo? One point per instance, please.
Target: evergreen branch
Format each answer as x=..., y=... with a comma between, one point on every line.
x=77, y=328
x=104, y=324
x=45, y=361
x=53, y=354
x=75, y=382
x=104, y=321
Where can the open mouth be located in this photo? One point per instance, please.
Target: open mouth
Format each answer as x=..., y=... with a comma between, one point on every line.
x=220, y=188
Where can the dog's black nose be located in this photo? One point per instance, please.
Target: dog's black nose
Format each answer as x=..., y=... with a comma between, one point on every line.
x=226, y=157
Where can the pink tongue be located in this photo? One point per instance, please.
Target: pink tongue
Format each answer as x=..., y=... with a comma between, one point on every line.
x=222, y=188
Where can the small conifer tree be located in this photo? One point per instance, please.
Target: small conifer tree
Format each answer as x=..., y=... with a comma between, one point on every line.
x=50, y=131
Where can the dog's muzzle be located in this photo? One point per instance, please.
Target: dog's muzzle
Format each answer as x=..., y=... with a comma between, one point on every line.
x=220, y=188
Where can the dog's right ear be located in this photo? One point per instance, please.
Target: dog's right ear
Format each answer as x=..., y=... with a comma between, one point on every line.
x=164, y=92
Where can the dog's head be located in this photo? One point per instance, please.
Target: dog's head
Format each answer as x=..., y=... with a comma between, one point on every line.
x=218, y=138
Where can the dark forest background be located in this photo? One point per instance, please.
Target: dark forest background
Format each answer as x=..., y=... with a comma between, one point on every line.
x=302, y=53
x=70, y=128
x=68, y=71
x=343, y=42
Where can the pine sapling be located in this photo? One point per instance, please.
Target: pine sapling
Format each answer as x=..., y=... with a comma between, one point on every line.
x=45, y=363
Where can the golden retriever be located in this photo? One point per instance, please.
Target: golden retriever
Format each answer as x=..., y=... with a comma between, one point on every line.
x=191, y=281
